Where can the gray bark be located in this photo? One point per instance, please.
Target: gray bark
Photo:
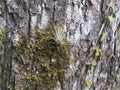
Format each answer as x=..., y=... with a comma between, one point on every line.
x=83, y=20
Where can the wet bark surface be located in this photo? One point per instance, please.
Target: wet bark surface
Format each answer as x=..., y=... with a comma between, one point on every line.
x=83, y=20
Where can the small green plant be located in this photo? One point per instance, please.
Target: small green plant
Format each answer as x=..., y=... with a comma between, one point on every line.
x=111, y=19
x=59, y=34
x=111, y=4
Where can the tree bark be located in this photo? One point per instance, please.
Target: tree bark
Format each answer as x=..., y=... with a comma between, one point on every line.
x=84, y=23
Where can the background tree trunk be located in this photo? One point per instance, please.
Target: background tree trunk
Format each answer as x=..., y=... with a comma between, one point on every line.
x=83, y=20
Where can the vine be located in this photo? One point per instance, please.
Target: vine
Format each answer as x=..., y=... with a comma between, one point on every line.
x=97, y=52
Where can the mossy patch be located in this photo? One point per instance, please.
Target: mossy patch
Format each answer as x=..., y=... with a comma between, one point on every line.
x=45, y=60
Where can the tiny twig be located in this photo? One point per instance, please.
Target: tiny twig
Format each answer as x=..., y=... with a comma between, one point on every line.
x=100, y=32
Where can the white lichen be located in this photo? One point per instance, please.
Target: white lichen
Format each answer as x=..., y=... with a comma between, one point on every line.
x=33, y=21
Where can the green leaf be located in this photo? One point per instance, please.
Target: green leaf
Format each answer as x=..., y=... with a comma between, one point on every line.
x=93, y=63
x=102, y=37
x=97, y=53
x=111, y=19
x=88, y=63
x=88, y=82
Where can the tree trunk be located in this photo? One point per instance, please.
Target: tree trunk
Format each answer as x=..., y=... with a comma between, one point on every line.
x=92, y=30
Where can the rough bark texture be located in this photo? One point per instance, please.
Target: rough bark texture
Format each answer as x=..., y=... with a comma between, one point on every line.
x=83, y=20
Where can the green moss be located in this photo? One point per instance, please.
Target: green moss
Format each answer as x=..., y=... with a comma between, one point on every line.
x=50, y=59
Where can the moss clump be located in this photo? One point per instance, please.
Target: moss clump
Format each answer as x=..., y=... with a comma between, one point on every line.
x=45, y=60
